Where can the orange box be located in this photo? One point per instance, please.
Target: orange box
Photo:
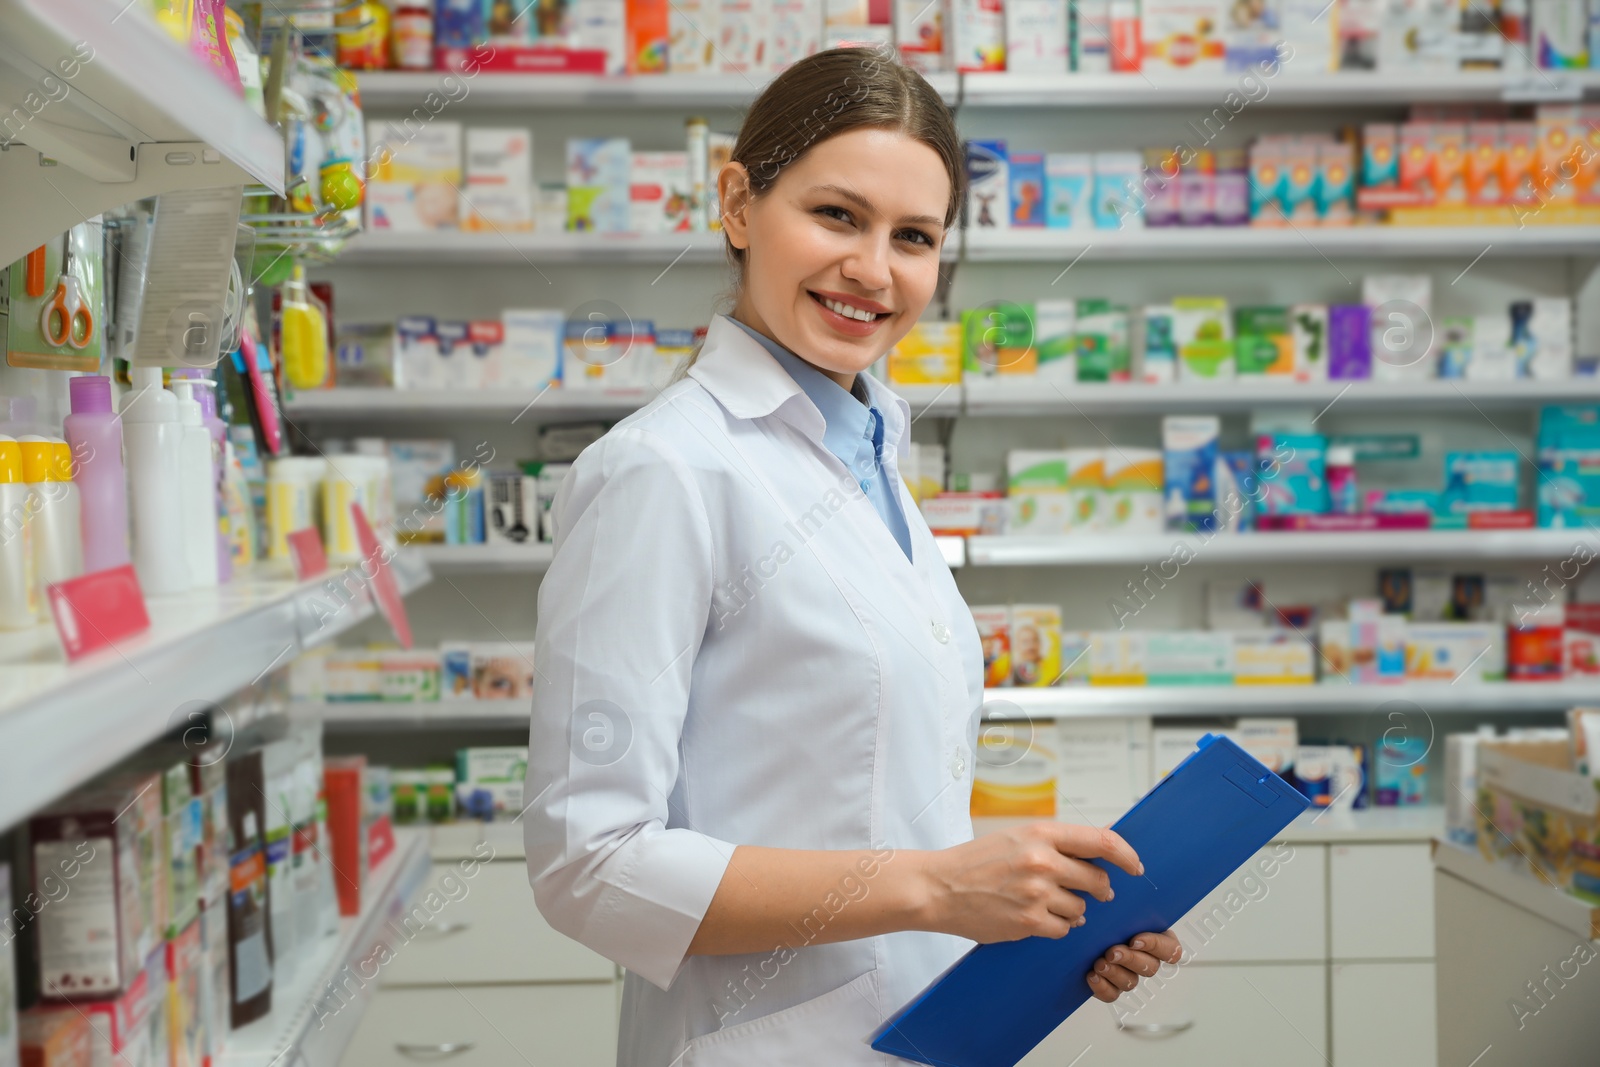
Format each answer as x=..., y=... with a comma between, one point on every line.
x=1588, y=155
x=1559, y=133
x=1450, y=163
x=1518, y=147
x=648, y=32
x=1416, y=160
x=1485, y=167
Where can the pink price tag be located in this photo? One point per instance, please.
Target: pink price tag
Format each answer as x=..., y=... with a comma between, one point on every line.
x=306, y=553
x=96, y=610
x=384, y=587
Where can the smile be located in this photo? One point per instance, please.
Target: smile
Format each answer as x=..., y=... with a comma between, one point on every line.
x=849, y=311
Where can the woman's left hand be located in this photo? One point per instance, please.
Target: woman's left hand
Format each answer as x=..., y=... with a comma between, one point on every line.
x=1120, y=969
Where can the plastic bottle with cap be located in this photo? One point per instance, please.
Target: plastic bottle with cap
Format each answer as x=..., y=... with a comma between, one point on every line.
x=53, y=503
x=151, y=439
x=205, y=391
x=199, y=488
x=94, y=434
x=19, y=590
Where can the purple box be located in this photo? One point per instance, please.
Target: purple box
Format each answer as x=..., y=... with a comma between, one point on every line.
x=1349, y=341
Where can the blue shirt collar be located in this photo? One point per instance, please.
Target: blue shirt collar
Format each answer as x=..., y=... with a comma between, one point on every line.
x=845, y=417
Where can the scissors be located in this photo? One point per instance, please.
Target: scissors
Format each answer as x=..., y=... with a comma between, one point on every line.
x=66, y=319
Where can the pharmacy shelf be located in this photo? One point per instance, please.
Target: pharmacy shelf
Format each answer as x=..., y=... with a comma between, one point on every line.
x=486, y=559
x=383, y=92
x=315, y=1014
x=1331, y=826
x=141, y=116
x=1033, y=396
x=1178, y=550
x=516, y=405
x=1086, y=701
x=387, y=716
x=529, y=248
x=1289, y=88
x=61, y=723
x=1299, y=242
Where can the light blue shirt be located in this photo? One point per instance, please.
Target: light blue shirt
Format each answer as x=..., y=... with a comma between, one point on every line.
x=853, y=431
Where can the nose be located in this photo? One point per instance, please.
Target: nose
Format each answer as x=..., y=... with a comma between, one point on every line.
x=868, y=262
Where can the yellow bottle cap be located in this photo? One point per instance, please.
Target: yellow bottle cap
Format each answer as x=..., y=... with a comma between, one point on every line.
x=35, y=458
x=61, y=468
x=10, y=461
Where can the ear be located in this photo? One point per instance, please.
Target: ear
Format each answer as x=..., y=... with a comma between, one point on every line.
x=733, y=198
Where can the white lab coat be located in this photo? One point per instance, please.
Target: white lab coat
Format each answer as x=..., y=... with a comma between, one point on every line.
x=733, y=649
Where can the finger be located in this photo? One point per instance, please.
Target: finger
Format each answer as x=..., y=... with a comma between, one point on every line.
x=1120, y=977
x=1092, y=842
x=1102, y=989
x=1141, y=963
x=1070, y=906
x=1083, y=877
x=1164, y=947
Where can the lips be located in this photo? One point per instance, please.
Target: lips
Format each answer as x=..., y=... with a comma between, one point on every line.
x=845, y=324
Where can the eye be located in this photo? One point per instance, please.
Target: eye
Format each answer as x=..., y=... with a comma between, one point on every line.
x=833, y=211
x=917, y=237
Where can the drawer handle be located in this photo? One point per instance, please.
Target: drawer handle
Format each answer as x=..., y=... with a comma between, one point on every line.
x=442, y=1048
x=1154, y=1030
x=445, y=929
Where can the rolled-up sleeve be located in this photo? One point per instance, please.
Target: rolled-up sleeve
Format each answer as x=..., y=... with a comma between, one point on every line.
x=622, y=611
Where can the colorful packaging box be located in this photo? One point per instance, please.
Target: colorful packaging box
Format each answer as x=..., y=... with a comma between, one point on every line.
x=489, y=781
x=1263, y=344
x=919, y=33
x=1272, y=657
x=1035, y=644
x=1349, y=342
x=55, y=1037
x=1204, y=339
x=658, y=192
x=1442, y=651
x=977, y=33
x=1159, y=363
x=1185, y=35
x=998, y=338
x=994, y=633
x=1481, y=481
x=1118, y=204
x=1189, y=447
x=1308, y=335
x=1069, y=190
x=1117, y=657
x=1091, y=36
x=1015, y=772
x=1026, y=171
x=1560, y=35
x=1133, y=484
x=1294, y=478
x=1188, y=657
x=1056, y=339
x=414, y=176
x=498, y=195
x=1036, y=36
x=988, y=186
x=1538, y=815
x=744, y=39
x=795, y=31
x=598, y=194
x=1086, y=489
x=1101, y=332
x=1036, y=485
x=692, y=36
x=1238, y=490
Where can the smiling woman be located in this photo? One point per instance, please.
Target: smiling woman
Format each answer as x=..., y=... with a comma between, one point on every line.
x=788, y=680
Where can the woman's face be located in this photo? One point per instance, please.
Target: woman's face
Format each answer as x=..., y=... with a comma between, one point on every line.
x=858, y=220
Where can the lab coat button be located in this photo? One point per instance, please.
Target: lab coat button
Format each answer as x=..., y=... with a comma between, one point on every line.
x=958, y=767
x=941, y=632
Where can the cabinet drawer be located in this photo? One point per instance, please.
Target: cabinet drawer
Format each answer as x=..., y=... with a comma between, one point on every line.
x=490, y=932
x=1221, y=1016
x=1272, y=908
x=494, y=1026
x=1381, y=902
x=1384, y=1015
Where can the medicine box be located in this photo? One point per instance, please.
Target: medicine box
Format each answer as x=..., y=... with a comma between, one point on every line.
x=658, y=192
x=1203, y=337
x=1117, y=201
x=988, y=186
x=489, y=781
x=55, y=1037
x=744, y=38
x=692, y=36
x=1272, y=741
x=598, y=194
x=1308, y=335
x=994, y=635
x=1184, y=35
x=1035, y=644
x=929, y=354
x=1117, y=657
x=977, y=35
x=1101, y=340
x=1189, y=447
x=1102, y=766
x=1188, y=657
x=1263, y=343
x=1069, y=190
x=502, y=670
x=1349, y=342
x=1480, y=481
x=1272, y=657
x=1086, y=489
x=357, y=675
x=1055, y=339
x=415, y=175
x=499, y=191
x=511, y=508
x=1026, y=170
x=1015, y=773
x=1133, y=483
x=1036, y=36
x=531, y=355
x=1442, y=651
x=1159, y=351
x=1171, y=745
x=1294, y=478
x=1036, y=487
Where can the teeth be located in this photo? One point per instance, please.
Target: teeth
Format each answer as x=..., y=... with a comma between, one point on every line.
x=847, y=311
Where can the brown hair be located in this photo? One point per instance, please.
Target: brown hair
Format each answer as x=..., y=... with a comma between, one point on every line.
x=829, y=93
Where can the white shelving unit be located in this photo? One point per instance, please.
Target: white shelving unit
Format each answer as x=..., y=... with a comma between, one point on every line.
x=61, y=723
x=142, y=116
x=1264, y=548
x=315, y=1014
x=457, y=248
x=389, y=90
x=1086, y=701
x=534, y=558
x=445, y=404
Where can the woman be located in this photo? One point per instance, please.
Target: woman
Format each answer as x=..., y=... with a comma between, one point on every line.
x=757, y=688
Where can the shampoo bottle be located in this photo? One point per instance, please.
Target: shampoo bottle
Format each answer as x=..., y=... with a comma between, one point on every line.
x=94, y=432
x=151, y=437
x=199, y=489
x=205, y=391
x=53, y=503
x=19, y=593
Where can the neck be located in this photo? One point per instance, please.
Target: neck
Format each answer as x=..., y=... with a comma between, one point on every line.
x=747, y=315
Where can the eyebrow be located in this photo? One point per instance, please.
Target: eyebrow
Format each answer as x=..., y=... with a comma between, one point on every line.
x=866, y=205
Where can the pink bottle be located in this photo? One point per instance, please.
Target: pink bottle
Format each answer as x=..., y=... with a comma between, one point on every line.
x=94, y=430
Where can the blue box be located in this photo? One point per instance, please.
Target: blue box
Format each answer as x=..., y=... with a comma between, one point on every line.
x=1189, y=463
x=1294, y=476
x=1480, y=481
x=1027, y=190
x=1069, y=191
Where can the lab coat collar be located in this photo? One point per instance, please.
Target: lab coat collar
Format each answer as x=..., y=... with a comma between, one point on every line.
x=745, y=379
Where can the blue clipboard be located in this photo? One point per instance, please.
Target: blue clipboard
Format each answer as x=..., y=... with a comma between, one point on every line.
x=1195, y=828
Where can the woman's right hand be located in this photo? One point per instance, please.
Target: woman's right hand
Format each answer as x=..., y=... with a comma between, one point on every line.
x=1021, y=882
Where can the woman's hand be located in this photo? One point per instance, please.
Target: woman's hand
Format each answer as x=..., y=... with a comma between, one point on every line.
x=1120, y=969
x=1021, y=882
